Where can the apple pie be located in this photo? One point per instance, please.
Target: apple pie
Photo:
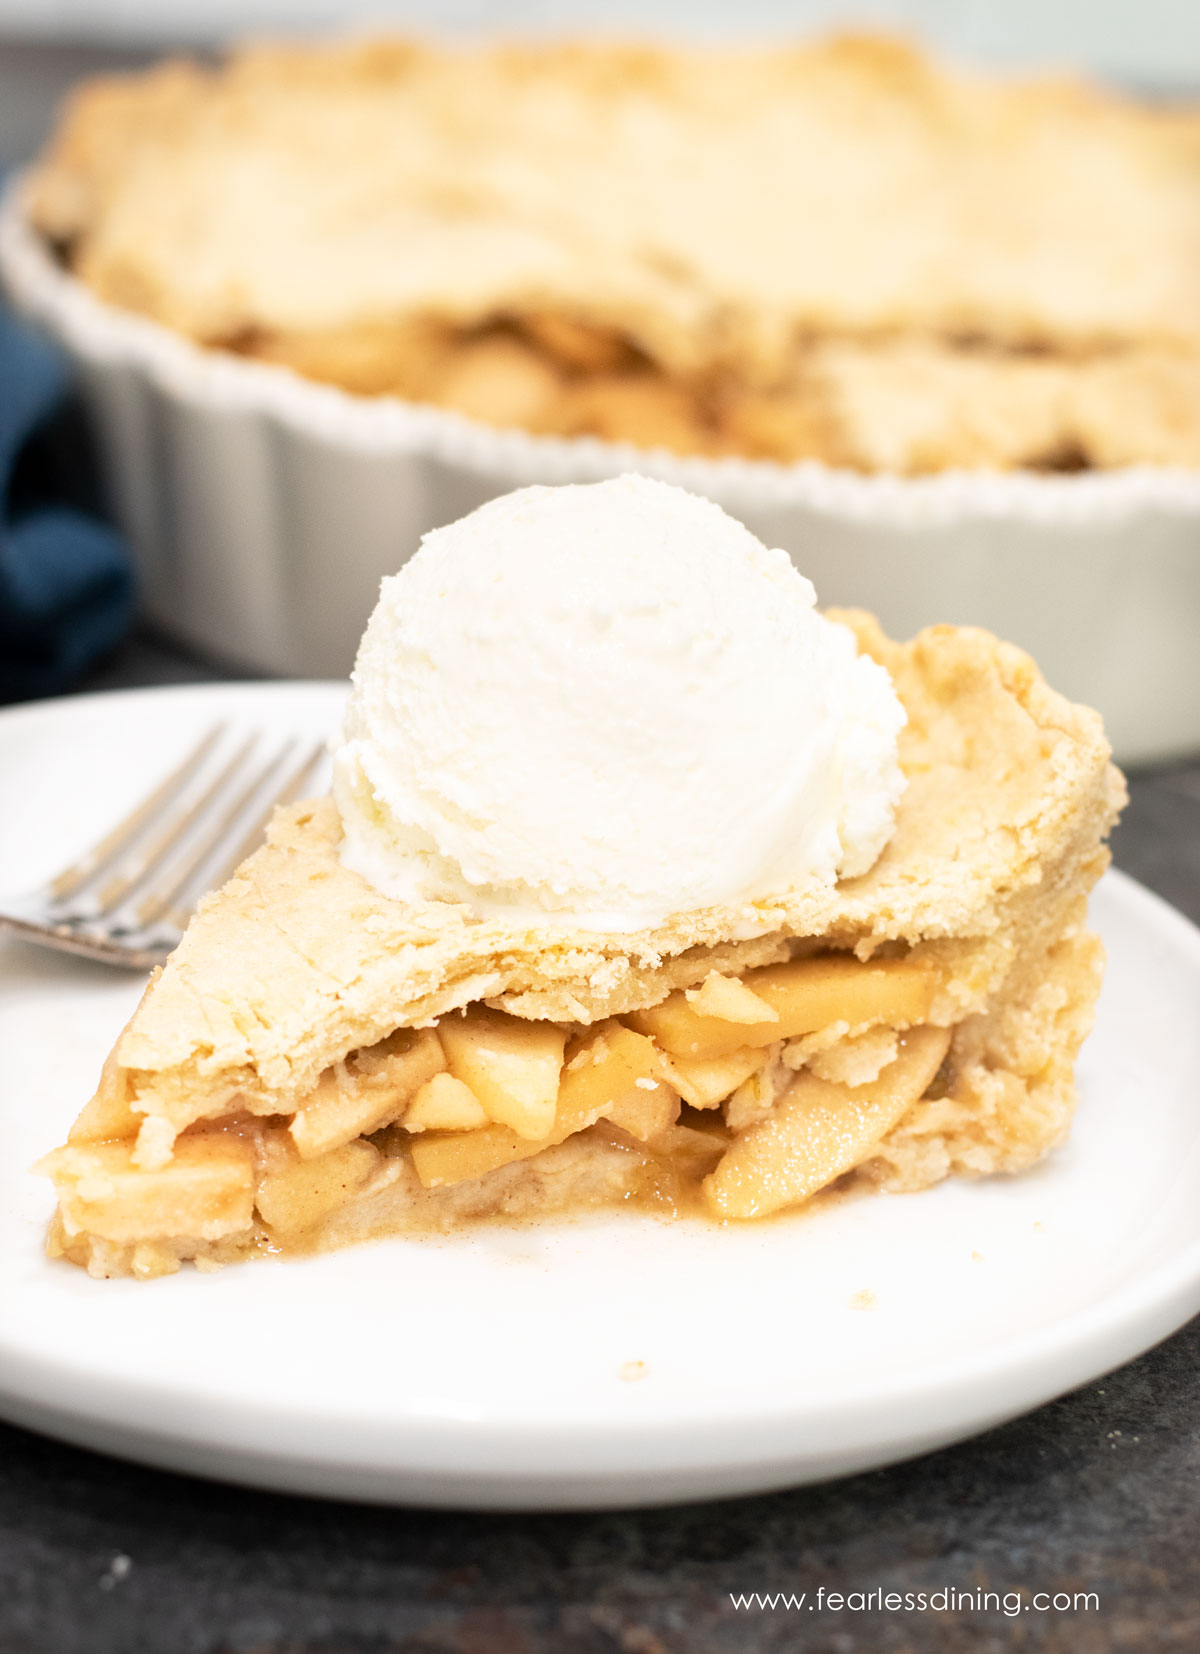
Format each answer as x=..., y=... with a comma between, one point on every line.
x=840, y=252
x=318, y=1064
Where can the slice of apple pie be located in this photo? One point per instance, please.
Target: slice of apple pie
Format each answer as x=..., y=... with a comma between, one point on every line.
x=318, y=1064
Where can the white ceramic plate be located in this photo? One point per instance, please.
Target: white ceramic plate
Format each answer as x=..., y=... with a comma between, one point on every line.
x=494, y=1369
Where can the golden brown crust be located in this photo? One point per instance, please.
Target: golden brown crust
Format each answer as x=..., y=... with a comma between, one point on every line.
x=298, y=961
x=840, y=251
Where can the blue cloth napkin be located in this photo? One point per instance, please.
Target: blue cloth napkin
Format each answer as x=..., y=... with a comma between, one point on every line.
x=66, y=578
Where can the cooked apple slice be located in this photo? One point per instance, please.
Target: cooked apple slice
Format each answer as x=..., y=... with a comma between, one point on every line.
x=370, y=1090
x=298, y=1194
x=706, y=1082
x=805, y=995
x=444, y=1104
x=511, y=1065
x=615, y=1072
x=818, y=1130
x=728, y=998
x=601, y=1075
x=646, y=1110
x=205, y=1190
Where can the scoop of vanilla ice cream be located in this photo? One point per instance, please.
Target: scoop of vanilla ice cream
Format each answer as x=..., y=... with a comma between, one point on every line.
x=609, y=704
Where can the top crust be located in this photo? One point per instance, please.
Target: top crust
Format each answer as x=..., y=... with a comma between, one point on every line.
x=708, y=204
x=839, y=252
x=296, y=961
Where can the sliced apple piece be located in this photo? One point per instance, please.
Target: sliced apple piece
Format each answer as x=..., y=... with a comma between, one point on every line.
x=511, y=1065
x=462, y=1156
x=818, y=1130
x=728, y=998
x=805, y=995
x=647, y=1110
x=445, y=1104
x=205, y=1190
x=370, y=1090
x=598, y=1077
x=614, y=1071
x=705, y=1082
x=298, y=1194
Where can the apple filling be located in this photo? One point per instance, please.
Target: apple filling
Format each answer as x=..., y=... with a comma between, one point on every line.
x=757, y=1091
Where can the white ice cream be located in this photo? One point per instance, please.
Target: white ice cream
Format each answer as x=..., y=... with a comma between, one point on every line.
x=610, y=704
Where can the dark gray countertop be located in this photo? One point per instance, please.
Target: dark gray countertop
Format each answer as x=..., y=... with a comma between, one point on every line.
x=1098, y=1492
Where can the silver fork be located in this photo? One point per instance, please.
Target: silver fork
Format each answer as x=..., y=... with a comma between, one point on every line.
x=128, y=898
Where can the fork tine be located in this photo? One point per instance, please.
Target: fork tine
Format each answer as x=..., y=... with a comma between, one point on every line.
x=289, y=788
x=155, y=900
x=175, y=829
x=72, y=879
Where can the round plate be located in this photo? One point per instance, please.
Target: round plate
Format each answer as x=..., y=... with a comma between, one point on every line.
x=611, y=1360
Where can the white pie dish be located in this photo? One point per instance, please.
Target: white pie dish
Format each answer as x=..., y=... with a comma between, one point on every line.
x=264, y=509
x=492, y=1369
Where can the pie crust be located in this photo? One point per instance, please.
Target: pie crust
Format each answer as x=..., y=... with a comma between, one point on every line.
x=841, y=251
x=298, y=1076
